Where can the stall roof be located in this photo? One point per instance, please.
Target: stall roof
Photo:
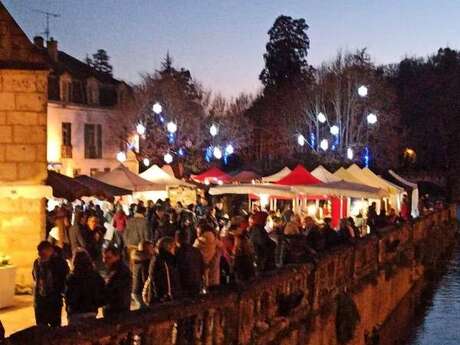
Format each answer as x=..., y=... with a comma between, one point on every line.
x=343, y=174
x=342, y=188
x=277, y=176
x=122, y=177
x=298, y=176
x=99, y=188
x=157, y=175
x=245, y=176
x=213, y=175
x=250, y=188
x=66, y=187
x=366, y=176
x=324, y=175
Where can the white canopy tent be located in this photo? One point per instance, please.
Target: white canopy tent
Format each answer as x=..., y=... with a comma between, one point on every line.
x=343, y=174
x=277, y=176
x=157, y=175
x=415, y=193
x=324, y=175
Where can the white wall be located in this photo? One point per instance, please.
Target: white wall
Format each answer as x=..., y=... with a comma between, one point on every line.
x=79, y=116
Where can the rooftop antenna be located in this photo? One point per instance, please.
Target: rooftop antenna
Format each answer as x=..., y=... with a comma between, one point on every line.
x=47, y=16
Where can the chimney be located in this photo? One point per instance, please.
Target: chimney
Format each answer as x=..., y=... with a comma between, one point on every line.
x=52, y=46
x=39, y=42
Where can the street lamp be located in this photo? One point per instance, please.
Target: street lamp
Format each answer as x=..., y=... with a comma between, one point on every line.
x=157, y=108
x=168, y=158
x=371, y=119
x=321, y=117
x=121, y=156
x=334, y=130
x=171, y=127
x=213, y=130
x=362, y=91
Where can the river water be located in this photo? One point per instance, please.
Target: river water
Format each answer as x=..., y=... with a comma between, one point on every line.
x=441, y=321
x=430, y=315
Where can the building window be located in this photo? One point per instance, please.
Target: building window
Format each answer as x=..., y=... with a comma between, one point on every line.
x=106, y=170
x=76, y=172
x=66, y=91
x=93, y=141
x=66, y=134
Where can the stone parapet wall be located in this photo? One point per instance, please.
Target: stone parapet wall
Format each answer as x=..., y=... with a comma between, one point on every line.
x=295, y=305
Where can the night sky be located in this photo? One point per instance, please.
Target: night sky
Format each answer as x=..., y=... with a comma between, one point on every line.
x=222, y=42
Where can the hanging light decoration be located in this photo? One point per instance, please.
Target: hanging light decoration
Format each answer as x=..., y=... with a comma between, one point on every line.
x=168, y=158
x=349, y=153
x=171, y=127
x=324, y=144
x=362, y=91
x=146, y=162
x=121, y=156
x=334, y=130
x=371, y=119
x=321, y=117
x=157, y=108
x=181, y=152
x=217, y=152
x=229, y=150
x=301, y=140
x=213, y=130
x=140, y=129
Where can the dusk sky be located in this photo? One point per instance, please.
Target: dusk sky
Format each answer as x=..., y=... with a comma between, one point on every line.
x=222, y=42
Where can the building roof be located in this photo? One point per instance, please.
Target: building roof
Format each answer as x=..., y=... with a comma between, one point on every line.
x=16, y=51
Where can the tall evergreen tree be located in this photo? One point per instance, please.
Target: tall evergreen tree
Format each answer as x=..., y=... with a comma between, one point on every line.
x=100, y=62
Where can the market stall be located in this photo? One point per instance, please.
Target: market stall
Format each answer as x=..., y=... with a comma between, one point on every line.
x=212, y=176
x=245, y=176
x=65, y=187
x=277, y=176
x=101, y=189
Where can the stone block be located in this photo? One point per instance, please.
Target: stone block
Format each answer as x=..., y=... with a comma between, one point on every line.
x=41, y=83
x=7, y=101
x=41, y=119
x=31, y=102
x=2, y=153
x=16, y=81
x=35, y=172
x=20, y=153
x=8, y=172
x=40, y=153
x=27, y=118
x=2, y=117
x=30, y=134
x=6, y=134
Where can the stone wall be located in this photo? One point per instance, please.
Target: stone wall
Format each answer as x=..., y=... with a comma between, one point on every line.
x=295, y=305
x=23, y=167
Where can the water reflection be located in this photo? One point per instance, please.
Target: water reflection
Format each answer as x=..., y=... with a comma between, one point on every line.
x=430, y=315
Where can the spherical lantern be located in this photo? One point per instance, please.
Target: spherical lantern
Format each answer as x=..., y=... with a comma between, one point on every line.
x=301, y=140
x=334, y=130
x=140, y=129
x=217, y=152
x=213, y=130
x=146, y=162
x=157, y=108
x=324, y=144
x=349, y=153
x=321, y=118
x=168, y=158
x=371, y=119
x=121, y=156
x=171, y=127
x=229, y=150
x=362, y=91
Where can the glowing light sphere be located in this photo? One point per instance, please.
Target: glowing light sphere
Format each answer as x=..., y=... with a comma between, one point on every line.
x=157, y=108
x=213, y=130
x=362, y=91
x=140, y=129
x=229, y=150
x=168, y=158
x=334, y=130
x=324, y=144
x=301, y=140
x=217, y=152
x=220, y=182
x=146, y=162
x=349, y=153
x=371, y=119
x=321, y=117
x=171, y=127
x=121, y=156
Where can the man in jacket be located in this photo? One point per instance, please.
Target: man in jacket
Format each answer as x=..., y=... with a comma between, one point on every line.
x=190, y=266
x=264, y=247
x=137, y=230
x=76, y=232
x=49, y=274
x=117, y=285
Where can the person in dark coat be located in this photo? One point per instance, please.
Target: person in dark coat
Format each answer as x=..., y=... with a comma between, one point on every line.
x=190, y=266
x=331, y=236
x=49, y=273
x=85, y=289
x=187, y=225
x=141, y=260
x=94, y=239
x=77, y=232
x=244, y=262
x=372, y=217
x=117, y=284
x=165, y=276
x=264, y=247
x=137, y=230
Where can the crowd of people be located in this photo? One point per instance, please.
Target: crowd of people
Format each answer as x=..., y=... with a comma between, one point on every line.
x=93, y=259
